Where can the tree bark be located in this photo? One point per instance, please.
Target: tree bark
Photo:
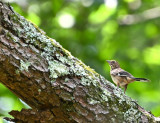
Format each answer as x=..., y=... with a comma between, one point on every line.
x=56, y=85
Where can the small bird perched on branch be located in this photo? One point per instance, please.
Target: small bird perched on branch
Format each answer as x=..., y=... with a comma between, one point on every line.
x=121, y=77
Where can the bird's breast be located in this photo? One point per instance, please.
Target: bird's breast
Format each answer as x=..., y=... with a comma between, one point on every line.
x=119, y=80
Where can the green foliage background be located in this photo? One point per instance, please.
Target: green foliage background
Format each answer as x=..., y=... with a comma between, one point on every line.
x=128, y=32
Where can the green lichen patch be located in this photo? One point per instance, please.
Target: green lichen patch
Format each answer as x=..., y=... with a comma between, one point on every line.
x=131, y=115
x=92, y=101
x=12, y=37
x=66, y=96
x=85, y=82
x=39, y=90
x=17, y=72
x=105, y=95
x=24, y=65
x=66, y=80
x=57, y=69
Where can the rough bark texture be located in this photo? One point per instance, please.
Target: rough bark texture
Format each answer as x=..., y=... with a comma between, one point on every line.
x=58, y=86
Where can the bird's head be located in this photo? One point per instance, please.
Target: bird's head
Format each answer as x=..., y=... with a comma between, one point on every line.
x=113, y=64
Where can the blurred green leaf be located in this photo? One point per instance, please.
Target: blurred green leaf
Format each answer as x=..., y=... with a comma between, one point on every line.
x=151, y=55
x=34, y=18
x=100, y=15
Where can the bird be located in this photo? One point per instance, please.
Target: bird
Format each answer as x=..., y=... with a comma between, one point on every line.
x=121, y=77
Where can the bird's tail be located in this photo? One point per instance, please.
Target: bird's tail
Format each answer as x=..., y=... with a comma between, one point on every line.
x=142, y=79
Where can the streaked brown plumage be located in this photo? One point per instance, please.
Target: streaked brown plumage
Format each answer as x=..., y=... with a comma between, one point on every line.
x=121, y=77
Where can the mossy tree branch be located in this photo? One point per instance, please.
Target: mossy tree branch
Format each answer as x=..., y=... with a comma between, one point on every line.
x=57, y=86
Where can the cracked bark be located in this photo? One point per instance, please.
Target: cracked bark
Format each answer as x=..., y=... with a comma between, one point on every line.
x=57, y=86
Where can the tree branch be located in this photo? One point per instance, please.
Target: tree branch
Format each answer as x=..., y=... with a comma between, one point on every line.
x=58, y=86
x=147, y=15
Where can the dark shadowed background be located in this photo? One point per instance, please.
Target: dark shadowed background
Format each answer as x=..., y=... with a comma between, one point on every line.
x=96, y=30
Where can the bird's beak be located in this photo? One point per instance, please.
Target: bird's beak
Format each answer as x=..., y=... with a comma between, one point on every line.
x=108, y=61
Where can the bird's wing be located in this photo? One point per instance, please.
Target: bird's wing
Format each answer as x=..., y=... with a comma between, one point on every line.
x=124, y=74
x=120, y=72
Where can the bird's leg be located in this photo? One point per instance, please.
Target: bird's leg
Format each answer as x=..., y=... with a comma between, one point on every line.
x=125, y=88
x=118, y=85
